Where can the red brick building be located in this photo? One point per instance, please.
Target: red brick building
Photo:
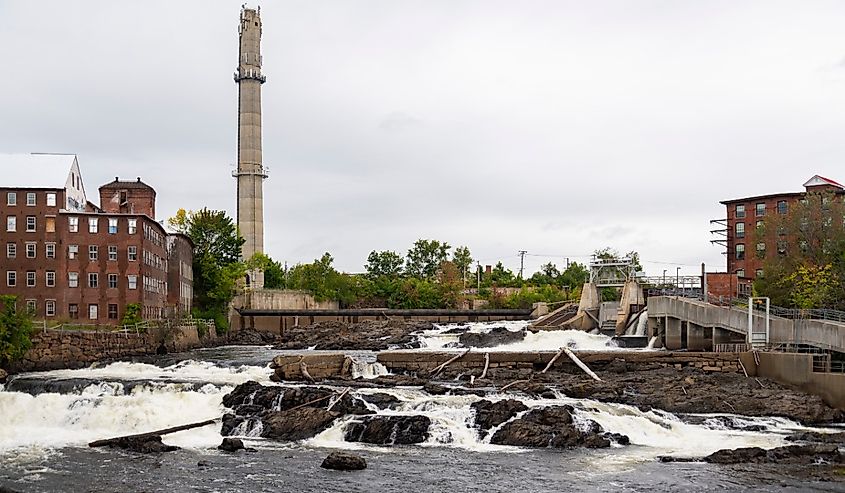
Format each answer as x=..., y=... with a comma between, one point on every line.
x=70, y=260
x=747, y=251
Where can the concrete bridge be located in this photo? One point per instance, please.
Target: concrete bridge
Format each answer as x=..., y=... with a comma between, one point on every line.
x=684, y=323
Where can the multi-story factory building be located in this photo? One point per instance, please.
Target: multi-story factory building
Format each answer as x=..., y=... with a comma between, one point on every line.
x=70, y=260
x=747, y=251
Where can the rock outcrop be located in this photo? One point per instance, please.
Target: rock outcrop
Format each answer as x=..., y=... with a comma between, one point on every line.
x=231, y=445
x=491, y=414
x=296, y=424
x=369, y=335
x=790, y=454
x=552, y=427
x=389, y=430
x=496, y=337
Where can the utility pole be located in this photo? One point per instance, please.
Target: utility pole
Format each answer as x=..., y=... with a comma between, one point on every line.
x=521, y=262
x=479, y=277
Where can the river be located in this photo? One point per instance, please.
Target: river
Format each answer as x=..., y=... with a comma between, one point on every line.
x=47, y=418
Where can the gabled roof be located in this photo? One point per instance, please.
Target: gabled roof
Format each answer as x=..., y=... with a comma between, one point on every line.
x=35, y=170
x=817, y=180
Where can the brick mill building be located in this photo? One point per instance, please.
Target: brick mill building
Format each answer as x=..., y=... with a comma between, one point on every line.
x=747, y=252
x=68, y=259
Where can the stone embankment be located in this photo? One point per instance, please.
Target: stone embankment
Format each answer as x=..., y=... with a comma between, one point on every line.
x=60, y=349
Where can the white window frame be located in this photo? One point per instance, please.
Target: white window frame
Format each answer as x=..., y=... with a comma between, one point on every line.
x=112, y=252
x=11, y=223
x=50, y=250
x=50, y=308
x=34, y=222
x=31, y=199
x=112, y=225
x=93, y=280
x=31, y=247
x=11, y=278
x=32, y=306
x=132, y=281
x=112, y=279
x=93, y=252
x=11, y=198
x=133, y=226
x=51, y=199
x=72, y=251
x=11, y=250
x=31, y=280
x=73, y=224
x=93, y=311
x=73, y=279
x=93, y=225
x=132, y=253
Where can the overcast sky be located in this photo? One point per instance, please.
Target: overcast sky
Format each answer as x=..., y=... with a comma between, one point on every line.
x=549, y=126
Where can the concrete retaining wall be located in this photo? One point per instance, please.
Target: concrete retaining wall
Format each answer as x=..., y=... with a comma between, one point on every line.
x=797, y=370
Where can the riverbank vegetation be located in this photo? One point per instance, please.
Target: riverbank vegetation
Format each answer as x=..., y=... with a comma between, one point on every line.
x=15, y=330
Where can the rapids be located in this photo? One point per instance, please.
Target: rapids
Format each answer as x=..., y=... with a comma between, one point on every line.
x=49, y=417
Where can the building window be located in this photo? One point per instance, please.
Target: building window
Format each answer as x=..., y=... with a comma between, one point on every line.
x=92, y=312
x=73, y=224
x=31, y=307
x=11, y=198
x=51, y=308
x=760, y=210
x=11, y=278
x=30, y=278
x=93, y=224
x=761, y=250
x=73, y=279
x=51, y=278
x=50, y=250
x=740, y=230
x=92, y=252
x=132, y=251
x=740, y=211
x=133, y=226
x=11, y=250
x=740, y=273
x=112, y=225
x=759, y=225
x=113, y=281
x=11, y=223
x=782, y=207
x=758, y=273
x=51, y=199
x=30, y=249
x=50, y=224
x=112, y=311
x=30, y=198
x=72, y=251
x=93, y=280
x=781, y=247
x=112, y=252
x=73, y=310
x=30, y=224
x=132, y=282
x=740, y=251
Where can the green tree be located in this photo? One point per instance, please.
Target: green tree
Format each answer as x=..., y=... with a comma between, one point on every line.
x=322, y=280
x=274, y=273
x=15, y=330
x=425, y=258
x=502, y=276
x=462, y=258
x=181, y=221
x=385, y=263
x=217, y=265
x=132, y=314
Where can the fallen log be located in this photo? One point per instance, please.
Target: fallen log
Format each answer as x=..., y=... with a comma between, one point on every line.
x=449, y=362
x=743, y=367
x=552, y=361
x=515, y=382
x=166, y=431
x=303, y=368
x=578, y=362
x=338, y=398
x=486, y=365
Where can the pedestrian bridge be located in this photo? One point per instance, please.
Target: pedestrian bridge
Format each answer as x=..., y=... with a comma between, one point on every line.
x=685, y=323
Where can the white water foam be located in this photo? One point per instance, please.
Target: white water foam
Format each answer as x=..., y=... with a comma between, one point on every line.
x=544, y=340
x=188, y=371
x=57, y=420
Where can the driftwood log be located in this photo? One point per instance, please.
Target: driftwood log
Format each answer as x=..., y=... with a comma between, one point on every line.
x=580, y=363
x=449, y=362
x=140, y=436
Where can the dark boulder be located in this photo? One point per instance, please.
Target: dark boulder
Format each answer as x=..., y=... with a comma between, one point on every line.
x=231, y=445
x=496, y=337
x=344, y=461
x=550, y=427
x=252, y=398
x=389, y=430
x=145, y=444
x=296, y=424
x=491, y=414
x=437, y=389
x=382, y=400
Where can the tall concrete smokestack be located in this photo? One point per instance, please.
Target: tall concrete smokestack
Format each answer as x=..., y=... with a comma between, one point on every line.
x=251, y=172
